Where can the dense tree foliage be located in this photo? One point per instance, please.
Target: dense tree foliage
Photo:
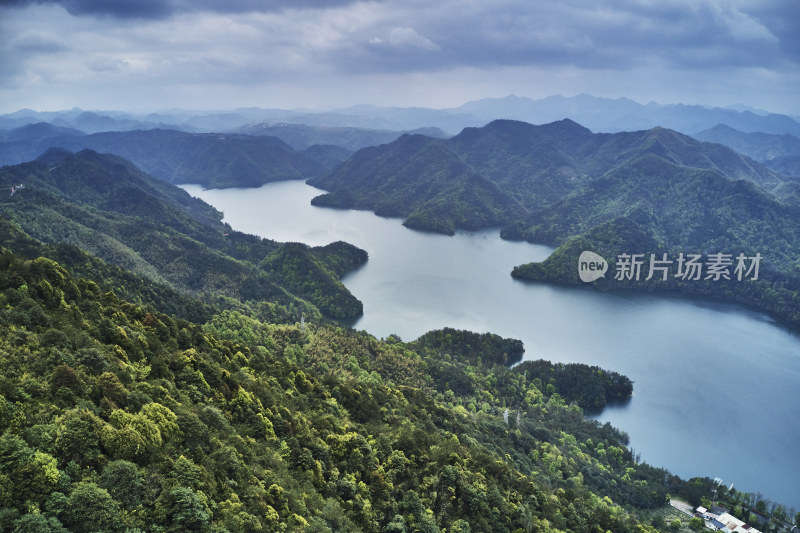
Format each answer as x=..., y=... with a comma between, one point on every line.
x=132, y=287
x=777, y=289
x=315, y=276
x=420, y=178
x=156, y=401
x=115, y=416
x=473, y=348
x=588, y=386
x=507, y=171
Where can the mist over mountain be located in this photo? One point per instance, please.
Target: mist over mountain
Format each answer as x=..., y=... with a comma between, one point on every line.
x=302, y=136
x=622, y=114
x=597, y=114
x=781, y=153
x=211, y=160
x=39, y=130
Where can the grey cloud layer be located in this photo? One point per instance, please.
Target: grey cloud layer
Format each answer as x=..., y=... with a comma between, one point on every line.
x=587, y=34
x=617, y=35
x=246, y=42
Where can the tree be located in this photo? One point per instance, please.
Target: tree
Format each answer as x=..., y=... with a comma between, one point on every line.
x=696, y=524
x=185, y=472
x=91, y=508
x=527, y=518
x=123, y=481
x=32, y=474
x=38, y=523
x=78, y=436
x=460, y=526
x=186, y=510
x=397, y=525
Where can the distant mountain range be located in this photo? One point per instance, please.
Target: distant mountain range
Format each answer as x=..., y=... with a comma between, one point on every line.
x=615, y=115
x=241, y=147
x=781, y=153
x=559, y=183
x=598, y=114
x=210, y=159
x=301, y=136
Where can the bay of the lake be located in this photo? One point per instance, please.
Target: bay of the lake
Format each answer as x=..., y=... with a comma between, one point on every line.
x=715, y=386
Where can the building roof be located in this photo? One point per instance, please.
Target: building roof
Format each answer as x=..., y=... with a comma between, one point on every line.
x=734, y=524
x=717, y=524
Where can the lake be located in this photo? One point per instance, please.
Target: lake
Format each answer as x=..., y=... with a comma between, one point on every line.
x=715, y=386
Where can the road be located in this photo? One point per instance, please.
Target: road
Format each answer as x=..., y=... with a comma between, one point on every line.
x=682, y=507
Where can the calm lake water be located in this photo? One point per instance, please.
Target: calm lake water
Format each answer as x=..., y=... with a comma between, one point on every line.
x=715, y=386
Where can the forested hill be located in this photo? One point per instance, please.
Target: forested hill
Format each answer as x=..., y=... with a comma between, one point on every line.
x=108, y=207
x=188, y=396
x=116, y=417
x=500, y=173
x=636, y=193
x=420, y=178
x=214, y=160
x=743, y=240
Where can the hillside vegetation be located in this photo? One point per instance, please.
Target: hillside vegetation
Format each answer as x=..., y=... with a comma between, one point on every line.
x=164, y=373
x=117, y=416
x=111, y=209
x=528, y=168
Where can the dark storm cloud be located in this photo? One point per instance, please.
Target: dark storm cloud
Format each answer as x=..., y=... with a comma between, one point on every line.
x=123, y=9
x=242, y=6
x=159, y=9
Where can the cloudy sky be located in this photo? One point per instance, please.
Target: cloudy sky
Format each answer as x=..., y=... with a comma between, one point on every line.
x=146, y=55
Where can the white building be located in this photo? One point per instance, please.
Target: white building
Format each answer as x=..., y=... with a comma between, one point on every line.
x=734, y=525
